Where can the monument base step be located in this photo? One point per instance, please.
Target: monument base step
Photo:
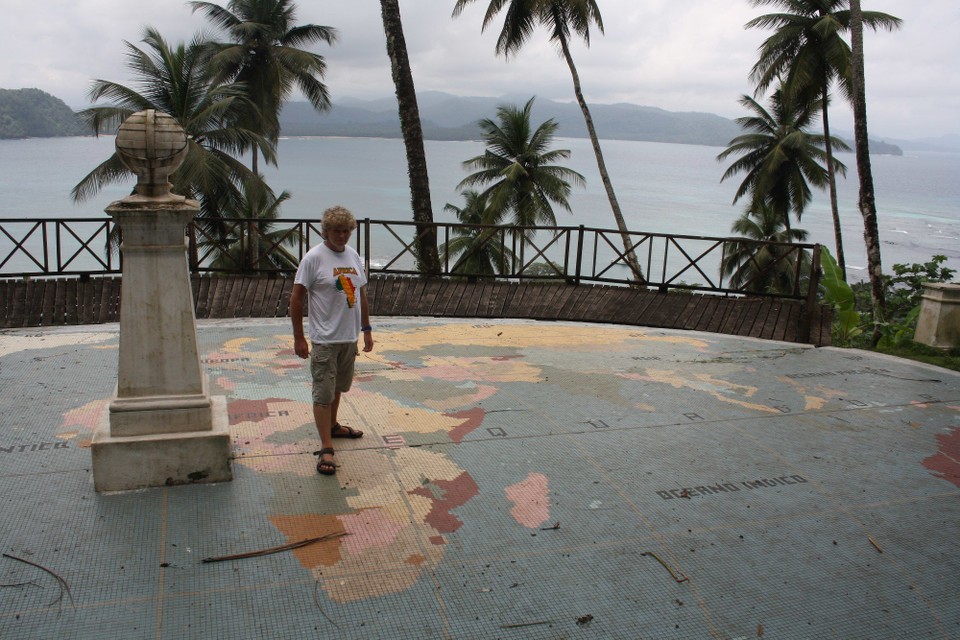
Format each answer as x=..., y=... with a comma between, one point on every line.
x=157, y=460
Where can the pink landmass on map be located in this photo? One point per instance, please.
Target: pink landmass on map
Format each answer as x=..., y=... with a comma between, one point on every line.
x=368, y=528
x=531, y=503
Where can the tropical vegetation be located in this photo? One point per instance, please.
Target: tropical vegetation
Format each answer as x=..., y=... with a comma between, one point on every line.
x=248, y=239
x=806, y=55
x=808, y=51
x=853, y=310
x=479, y=247
x=779, y=156
x=227, y=96
x=761, y=260
x=174, y=79
x=521, y=184
x=264, y=56
x=561, y=18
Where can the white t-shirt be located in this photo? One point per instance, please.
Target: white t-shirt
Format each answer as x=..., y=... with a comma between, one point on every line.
x=333, y=281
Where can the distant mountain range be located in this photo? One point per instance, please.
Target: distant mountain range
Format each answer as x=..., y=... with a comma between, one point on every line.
x=28, y=113
x=447, y=117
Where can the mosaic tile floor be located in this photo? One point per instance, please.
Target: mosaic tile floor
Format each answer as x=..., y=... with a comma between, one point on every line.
x=517, y=479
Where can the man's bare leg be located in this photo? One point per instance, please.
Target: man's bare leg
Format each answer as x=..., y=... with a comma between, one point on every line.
x=334, y=406
x=323, y=416
x=346, y=431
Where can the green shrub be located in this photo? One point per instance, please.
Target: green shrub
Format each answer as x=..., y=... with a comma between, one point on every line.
x=903, y=292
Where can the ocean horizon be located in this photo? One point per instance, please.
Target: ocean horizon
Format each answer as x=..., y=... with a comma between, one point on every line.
x=661, y=187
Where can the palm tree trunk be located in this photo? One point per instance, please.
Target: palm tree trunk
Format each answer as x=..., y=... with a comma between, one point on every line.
x=426, y=244
x=629, y=254
x=867, y=201
x=832, y=181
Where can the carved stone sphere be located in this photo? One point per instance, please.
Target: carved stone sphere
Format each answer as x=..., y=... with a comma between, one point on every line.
x=153, y=145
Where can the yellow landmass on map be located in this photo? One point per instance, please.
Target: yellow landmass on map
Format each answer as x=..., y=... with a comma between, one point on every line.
x=721, y=390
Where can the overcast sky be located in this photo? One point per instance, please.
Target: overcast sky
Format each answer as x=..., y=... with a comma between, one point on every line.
x=680, y=55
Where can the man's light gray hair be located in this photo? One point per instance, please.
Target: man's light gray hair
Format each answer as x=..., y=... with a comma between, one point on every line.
x=337, y=216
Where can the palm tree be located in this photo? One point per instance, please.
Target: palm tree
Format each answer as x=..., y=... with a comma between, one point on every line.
x=252, y=243
x=867, y=202
x=174, y=80
x=808, y=50
x=265, y=54
x=480, y=252
x=561, y=18
x=426, y=243
x=755, y=265
x=779, y=156
x=523, y=184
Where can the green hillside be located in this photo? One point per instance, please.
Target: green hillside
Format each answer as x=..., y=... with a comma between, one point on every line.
x=31, y=113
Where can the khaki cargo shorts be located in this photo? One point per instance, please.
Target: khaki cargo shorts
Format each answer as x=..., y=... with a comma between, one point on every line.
x=331, y=366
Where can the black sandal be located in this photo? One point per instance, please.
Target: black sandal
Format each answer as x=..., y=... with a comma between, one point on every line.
x=346, y=432
x=326, y=467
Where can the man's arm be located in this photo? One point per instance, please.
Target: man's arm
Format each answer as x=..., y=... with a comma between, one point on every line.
x=297, y=297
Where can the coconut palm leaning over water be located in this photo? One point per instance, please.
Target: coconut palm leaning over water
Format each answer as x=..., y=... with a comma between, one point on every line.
x=265, y=56
x=808, y=52
x=174, y=80
x=561, y=18
x=521, y=183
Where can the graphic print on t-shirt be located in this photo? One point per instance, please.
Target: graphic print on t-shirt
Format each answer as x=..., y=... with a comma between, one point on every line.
x=346, y=285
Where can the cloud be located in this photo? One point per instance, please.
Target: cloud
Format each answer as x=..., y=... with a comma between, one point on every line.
x=693, y=55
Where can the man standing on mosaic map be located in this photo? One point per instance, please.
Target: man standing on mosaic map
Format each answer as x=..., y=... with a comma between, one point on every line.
x=332, y=280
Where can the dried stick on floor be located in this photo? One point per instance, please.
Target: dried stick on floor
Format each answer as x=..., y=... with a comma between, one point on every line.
x=678, y=578
x=64, y=587
x=316, y=599
x=281, y=548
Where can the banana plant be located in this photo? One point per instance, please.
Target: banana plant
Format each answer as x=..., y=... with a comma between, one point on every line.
x=847, y=322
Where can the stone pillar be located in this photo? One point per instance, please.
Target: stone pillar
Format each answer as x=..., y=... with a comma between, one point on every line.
x=163, y=427
x=939, y=321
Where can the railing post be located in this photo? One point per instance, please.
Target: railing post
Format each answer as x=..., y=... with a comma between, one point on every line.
x=366, y=246
x=56, y=227
x=806, y=319
x=445, y=271
x=662, y=287
x=579, y=263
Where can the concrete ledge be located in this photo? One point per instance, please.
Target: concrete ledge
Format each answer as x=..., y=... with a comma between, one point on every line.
x=939, y=321
x=156, y=460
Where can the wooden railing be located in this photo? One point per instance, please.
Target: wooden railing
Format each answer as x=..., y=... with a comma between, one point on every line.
x=31, y=248
x=67, y=271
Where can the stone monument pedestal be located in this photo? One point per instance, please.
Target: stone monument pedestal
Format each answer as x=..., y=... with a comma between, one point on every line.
x=163, y=427
x=939, y=321
x=121, y=463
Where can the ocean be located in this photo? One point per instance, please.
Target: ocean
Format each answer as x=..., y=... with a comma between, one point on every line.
x=662, y=188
